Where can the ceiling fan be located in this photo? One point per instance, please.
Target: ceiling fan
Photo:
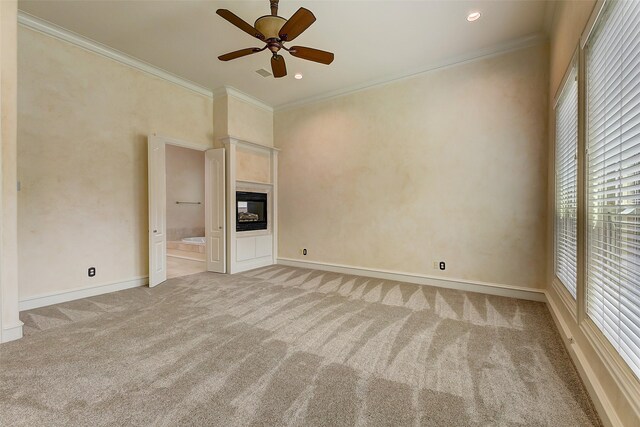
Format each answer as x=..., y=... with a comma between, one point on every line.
x=275, y=31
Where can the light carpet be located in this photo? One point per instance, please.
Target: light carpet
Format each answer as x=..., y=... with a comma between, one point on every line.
x=289, y=346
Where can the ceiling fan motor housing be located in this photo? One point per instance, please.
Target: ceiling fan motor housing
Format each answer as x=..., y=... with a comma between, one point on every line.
x=270, y=26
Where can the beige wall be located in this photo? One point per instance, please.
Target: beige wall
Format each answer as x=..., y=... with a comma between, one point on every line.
x=449, y=165
x=10, y=325
x=249, y=122
x=237, y=118
x=185, y=183
x=83, y=122
x=220, y=118
x=569, y=22
x=253, y=165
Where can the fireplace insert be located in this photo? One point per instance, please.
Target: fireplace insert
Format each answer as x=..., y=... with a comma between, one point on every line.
x=251, y=211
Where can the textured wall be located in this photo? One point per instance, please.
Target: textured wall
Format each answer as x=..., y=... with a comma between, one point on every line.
x=569, y=20
x=185, y=183
x=220, y=118
x=83, y=122
x=248, y=122
x=449, y=165
x=253, y=165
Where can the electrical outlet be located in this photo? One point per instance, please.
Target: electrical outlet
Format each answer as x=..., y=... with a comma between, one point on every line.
x=303, y=251
x=91, y=272
x=435, y=265
x=441, y=265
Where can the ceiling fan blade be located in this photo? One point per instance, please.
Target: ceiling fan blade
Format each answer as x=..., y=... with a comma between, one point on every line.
x=300, y=21
x=278, y=66
x=310, y=54
x=238, y=54
x=240, y=23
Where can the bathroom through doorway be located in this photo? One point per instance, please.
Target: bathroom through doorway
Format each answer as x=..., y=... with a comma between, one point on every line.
x=186, y=209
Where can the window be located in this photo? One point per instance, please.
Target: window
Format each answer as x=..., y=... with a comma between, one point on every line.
x=566, y=216
x=613, y=178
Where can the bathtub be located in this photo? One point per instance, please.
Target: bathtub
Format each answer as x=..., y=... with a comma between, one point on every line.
x=194, y=240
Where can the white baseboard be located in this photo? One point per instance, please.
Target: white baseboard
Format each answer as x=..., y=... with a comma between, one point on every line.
x=519, y=292
x=239, y=267
x=599, y=397
x=74, y=294
x=12, y=333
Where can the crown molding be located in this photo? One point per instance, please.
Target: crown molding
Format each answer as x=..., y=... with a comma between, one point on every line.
x=48, y=28
x=499, y=49
x=231, y=91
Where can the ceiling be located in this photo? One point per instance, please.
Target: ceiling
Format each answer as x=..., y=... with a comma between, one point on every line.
x=372, y=40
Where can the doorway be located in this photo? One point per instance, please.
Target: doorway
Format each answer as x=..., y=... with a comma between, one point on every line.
x=186, y=243
x=186, y=209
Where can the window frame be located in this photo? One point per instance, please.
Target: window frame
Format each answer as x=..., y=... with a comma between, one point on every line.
x=620, y=371
x=570, y=303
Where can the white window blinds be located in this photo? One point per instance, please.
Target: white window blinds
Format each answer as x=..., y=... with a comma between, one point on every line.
x=566, y=229
x=613, y=187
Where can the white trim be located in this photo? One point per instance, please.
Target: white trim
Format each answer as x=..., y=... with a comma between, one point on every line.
x=616, y=366
x=45, y=27
x=594, y=18
x=230, y=181
x=242, y=266
x=60, y=33
x=274, y=204
x=231, y=91
x=12, y=333
x=597, y=393
x=79, y=293
x=263, y=185
x=184, y=144
x=519, y=292
x=573, y=65
x=499, y=49
x=230, y=139
x=567, y=299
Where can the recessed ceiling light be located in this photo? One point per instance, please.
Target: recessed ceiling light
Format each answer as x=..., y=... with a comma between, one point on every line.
x=298, y=76
x=473, y=16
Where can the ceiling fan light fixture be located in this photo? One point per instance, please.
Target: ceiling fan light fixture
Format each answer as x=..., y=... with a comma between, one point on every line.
x=270, y=25
x=298, y=76
x=473, y=16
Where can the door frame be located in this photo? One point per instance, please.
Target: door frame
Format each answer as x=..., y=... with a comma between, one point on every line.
x=165, y=140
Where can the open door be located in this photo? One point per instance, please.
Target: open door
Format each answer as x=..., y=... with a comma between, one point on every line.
x=157, y=212
x=214, y=209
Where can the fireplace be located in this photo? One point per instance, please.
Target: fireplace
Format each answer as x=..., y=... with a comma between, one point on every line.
x=251, y=211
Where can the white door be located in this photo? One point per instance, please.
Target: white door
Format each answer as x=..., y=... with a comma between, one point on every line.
x=214, y=208
x=157, y=212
